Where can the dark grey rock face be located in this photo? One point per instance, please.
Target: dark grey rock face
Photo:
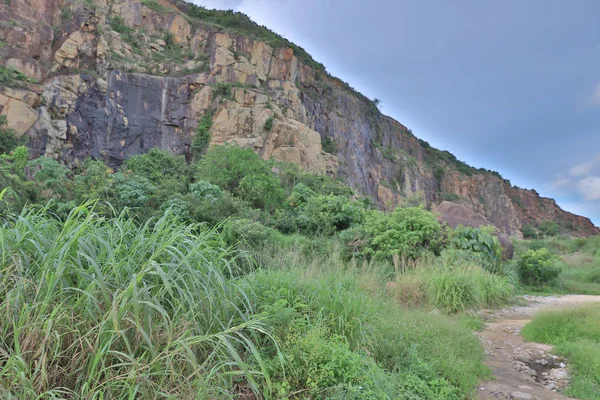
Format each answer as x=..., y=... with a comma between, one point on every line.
x=136, y=113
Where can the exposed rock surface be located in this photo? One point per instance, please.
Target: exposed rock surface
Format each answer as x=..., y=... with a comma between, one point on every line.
x=524, y=370
x=122, y=77
x=457, y=214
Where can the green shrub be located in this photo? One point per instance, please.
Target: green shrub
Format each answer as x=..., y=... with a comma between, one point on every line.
x=93, y=181
x=241, y=230
x=133, y=191
x=529, y=231
x=203, y=190
x=66, y=14
x=549, y=228
x=328, y=214
x=222, y=89
x=243, y=173
x=269, y=124
x=50, y=178
x=8, y=138
x=158, y=165
x=481, y=242
x=329, y=145
x=202, y=137
x=407, y=232
x=537, y=267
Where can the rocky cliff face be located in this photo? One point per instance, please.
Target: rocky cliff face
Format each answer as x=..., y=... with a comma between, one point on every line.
x=117, y=77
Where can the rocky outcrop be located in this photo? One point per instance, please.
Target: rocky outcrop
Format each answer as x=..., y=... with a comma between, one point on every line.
x=123, y=76
x=455, y=215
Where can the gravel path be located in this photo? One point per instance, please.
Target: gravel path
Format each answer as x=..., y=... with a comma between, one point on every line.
x=524, y=370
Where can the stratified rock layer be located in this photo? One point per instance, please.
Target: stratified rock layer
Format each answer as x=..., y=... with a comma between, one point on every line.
x=109, y=95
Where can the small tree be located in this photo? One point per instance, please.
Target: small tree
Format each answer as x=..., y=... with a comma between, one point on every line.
x=406, y=232
x=529, y=231
x=549, y=228
x=537, y=267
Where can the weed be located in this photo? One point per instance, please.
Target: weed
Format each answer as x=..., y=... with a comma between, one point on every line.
x=202, y=138
x=575, y=333
x=269, y=124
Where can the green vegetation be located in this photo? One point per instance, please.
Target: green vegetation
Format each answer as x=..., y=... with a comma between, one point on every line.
x=529, y=231
x=159, y=8
x=448, y=196
x=8, y=139
x=406, y=232
x=579, y=259
x=66, y=14
x=232, y=275
x=123, y=309
x=549, y=228
x=13, y=78
x=222, y=89
x=129, y=35
x=202, y=138
x=240, y=23
x=538, y=267
x=481, y=243
x=329, y=145
x=455, y=282
x=576, y=335
x=269, y=124
x=436, y=159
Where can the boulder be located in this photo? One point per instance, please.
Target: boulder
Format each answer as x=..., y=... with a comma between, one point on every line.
x=19, y=115
x=457, y=214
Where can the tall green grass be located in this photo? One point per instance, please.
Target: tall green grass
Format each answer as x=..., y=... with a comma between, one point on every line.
x=418, y=354
x=452, y=283
x=105, y=308
x=576, y=334
x=97, y=308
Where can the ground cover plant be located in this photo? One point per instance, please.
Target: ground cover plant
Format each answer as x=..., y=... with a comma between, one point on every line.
x=575, y=333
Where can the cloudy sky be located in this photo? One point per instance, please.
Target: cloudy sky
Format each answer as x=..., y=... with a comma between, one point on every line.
x=512, y=85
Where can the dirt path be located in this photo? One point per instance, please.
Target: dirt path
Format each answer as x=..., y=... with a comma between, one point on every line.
x=524, y=370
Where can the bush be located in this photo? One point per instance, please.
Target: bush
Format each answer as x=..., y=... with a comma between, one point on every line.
x=243, y=173
x=50, y=178
x=480, y=242
x=538, y=267
x=222, y=89
x=8, y=137
x=329, y=145
x=241, y=230
x=328, y=214
x=549, y=228
x=529, y=231
x=202, y=138
x=133, y=191
x=206, y=191
x=269, y=124
x=407, y=232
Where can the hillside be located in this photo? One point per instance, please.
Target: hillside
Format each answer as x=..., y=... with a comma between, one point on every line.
x=109, y=79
